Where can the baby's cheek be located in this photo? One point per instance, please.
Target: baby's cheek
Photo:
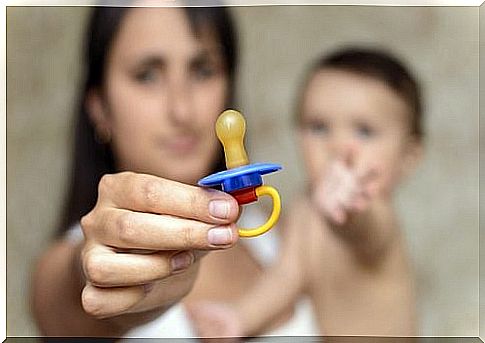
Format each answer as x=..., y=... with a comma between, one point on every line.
x=316, y=167
x=388, y=179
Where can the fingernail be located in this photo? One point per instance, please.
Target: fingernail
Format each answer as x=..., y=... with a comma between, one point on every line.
x=219, y=209
x=219, y=236
x=181, y=261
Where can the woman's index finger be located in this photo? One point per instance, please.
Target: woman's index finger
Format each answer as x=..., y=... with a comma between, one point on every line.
x=148, y=193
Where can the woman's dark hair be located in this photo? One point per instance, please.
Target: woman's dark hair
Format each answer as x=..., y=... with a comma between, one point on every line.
x=380, y=65
x=92, y=158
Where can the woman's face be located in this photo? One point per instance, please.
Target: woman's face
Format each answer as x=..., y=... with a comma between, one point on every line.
x=343, y=112
x=163, y=91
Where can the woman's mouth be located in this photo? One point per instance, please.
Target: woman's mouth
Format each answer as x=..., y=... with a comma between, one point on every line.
x=184, y=144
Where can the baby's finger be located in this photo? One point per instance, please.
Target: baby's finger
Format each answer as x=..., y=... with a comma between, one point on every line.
x=106, y=268
x=109, y=302
x=346, y=193
x=138, y=230
x=338, y=216
x=360, y=203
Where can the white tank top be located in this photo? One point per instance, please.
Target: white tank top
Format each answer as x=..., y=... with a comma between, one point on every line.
x=174, y=323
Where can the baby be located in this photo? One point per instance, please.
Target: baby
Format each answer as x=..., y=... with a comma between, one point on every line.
x=360, y=132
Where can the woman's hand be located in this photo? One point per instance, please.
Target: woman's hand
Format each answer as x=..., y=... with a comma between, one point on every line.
x=143, y=239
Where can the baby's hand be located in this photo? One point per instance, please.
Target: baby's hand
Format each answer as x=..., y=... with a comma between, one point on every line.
x=344, y=190
x=211, y=319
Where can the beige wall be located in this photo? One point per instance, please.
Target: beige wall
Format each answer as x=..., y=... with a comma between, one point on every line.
x=438, y=206
x=482, y=172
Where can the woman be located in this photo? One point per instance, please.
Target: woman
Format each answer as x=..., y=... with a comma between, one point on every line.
x=157, y=78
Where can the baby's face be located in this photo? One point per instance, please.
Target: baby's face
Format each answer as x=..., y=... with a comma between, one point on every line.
x=344, y=111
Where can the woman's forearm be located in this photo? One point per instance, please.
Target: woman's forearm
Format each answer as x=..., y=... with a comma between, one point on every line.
x=56, y=296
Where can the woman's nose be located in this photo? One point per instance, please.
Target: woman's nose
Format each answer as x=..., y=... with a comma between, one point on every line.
x=179, y=102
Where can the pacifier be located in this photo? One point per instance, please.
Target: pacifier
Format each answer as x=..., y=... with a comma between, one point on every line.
x=241, y=179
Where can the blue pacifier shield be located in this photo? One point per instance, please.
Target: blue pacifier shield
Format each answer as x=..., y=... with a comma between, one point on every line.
x=240, y=177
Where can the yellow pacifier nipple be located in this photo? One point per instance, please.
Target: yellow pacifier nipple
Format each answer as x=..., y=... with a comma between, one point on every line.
x=230, y=129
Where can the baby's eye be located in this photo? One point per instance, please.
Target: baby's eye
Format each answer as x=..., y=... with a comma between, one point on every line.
x=318, y=128
x=365, y=131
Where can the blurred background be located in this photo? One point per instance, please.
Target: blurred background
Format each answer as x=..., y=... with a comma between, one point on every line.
x=438, y=205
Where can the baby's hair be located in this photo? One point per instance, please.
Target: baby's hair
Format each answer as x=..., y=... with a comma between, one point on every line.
x=380, y=65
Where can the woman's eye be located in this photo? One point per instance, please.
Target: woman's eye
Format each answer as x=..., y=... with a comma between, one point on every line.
x=146, y=76
x=365, y=131
x=203, y=72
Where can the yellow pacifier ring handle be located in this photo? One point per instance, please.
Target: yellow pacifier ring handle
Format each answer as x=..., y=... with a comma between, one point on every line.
x=273, y=193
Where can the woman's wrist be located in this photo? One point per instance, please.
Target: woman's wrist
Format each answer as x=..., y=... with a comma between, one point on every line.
x=114, y=326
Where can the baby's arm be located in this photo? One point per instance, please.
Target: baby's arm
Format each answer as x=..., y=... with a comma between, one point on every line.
x=278, y=287
x=370, y=234
x=355, y=201
x=362, y=282
x=275, y=292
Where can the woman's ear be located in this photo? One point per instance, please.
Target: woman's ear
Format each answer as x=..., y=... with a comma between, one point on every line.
x=98, y=115
x=413, y=156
